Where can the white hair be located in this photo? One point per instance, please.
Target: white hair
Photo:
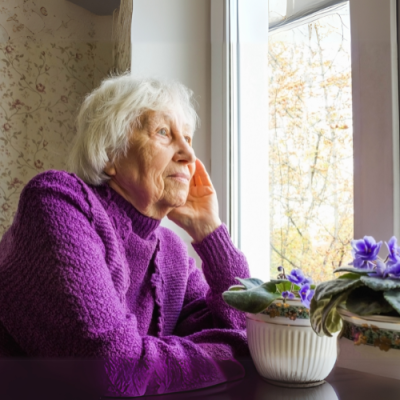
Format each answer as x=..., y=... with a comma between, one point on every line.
x=110, y=112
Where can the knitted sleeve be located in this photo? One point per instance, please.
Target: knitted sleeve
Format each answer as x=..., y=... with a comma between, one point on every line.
x=204, y=307
x=58, y=299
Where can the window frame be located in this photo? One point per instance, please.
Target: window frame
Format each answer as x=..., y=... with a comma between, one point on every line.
x=220, y=129
x=234, y=35
x=376, y=151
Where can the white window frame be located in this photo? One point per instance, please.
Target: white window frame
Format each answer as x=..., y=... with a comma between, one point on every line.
x=375, y=122
x=238, y=26
x=220, y=106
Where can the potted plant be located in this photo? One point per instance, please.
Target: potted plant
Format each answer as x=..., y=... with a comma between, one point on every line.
x=284, y=348
x=365, y=301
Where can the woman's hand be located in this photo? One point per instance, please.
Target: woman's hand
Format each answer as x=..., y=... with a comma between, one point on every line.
x=199, y=216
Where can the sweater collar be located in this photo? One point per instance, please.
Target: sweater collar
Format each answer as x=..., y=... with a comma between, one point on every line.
x=114, y=203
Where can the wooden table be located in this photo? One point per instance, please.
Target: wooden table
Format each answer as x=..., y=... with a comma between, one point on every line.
x=42, y=380
x=341, y=384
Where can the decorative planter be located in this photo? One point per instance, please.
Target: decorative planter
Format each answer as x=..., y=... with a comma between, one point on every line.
x=373, y=330
x=285, y=349
x=370, y=344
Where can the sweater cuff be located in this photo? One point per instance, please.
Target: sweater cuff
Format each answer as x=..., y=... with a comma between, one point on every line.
x=215, y=245
x=222, y=261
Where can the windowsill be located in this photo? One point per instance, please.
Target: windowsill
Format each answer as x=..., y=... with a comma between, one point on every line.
x=369, y=359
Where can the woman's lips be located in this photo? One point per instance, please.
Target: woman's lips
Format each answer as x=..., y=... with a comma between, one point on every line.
x=181, y=177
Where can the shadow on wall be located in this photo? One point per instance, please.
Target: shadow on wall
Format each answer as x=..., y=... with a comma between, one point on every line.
x=52, y=53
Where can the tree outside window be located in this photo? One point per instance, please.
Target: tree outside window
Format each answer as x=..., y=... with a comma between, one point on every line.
x=311, y=147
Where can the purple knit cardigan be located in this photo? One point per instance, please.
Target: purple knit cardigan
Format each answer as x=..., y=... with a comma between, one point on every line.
x=84, y=274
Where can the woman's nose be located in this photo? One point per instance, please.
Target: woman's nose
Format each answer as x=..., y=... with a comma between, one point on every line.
x=185, y=152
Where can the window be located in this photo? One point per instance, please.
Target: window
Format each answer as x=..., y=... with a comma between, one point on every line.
x=241, y=129
x=311, y=145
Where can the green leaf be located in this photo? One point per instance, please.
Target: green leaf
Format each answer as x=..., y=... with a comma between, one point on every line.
x=297, y=287
x=250, y=283
x=331, y=320
x=349, y=275
x=379, y=284
x=269, y=286
x=283, y=286
x=365, y=301
x=352, y=270
x=330, y=288
x=277, y=281
x=237, y=287
x=393, y=298
x=253, y=300
x=316, y=313
x=324, y=316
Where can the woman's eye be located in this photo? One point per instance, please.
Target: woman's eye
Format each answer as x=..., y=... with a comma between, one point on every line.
x=187, y=138
x=163, y=132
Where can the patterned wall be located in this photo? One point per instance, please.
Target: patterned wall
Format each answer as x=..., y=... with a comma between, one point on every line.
x=52, y=53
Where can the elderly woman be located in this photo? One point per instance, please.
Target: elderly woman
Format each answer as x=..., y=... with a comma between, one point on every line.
x=86, y=270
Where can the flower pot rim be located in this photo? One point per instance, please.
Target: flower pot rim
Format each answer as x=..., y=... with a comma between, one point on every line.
x=263, y=318
x=295, y=302
x=373, y=331
x=343, y=312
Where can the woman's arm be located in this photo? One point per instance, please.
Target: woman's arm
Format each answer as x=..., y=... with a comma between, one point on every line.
x=58, y=298
x=204, y=307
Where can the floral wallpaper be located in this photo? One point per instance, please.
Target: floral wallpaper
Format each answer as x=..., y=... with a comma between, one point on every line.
x=52, y=53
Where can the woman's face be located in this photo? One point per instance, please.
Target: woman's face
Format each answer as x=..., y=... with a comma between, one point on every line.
x=155, y=174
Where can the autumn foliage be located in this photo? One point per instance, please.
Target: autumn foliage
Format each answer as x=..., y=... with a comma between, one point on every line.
x=311, y=147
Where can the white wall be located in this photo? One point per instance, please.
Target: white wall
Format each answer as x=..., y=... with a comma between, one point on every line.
x=375, y=118
x=171, y=39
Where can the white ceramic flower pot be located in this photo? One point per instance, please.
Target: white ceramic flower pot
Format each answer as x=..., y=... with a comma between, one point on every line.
x=285, y=349
x=370, y=344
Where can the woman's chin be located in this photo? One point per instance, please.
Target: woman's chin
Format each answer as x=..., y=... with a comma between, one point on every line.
x=177, y=199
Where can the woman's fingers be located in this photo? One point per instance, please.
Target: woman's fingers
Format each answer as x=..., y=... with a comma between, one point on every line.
x=200, y=177
x=198, y=180
x=201, y=174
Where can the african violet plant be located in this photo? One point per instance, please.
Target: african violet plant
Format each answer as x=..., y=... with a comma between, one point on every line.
x=369, y=286
x=254, y=296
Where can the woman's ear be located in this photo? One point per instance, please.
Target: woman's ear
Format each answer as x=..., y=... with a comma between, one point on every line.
x=109, y=169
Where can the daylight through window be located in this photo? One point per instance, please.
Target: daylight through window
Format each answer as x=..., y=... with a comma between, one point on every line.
x=311, y=146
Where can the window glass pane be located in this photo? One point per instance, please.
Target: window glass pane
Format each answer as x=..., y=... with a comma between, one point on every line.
x=311, y=147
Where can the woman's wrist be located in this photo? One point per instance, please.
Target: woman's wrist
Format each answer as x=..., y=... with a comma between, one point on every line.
x=200, y=232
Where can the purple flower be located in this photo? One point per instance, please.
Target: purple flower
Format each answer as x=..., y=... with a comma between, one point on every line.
x=364, y=252
x=393, y=271
x=380, y=270
x=394, y=252
x=297, y=277
x=306, y=295
x=288, y=295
